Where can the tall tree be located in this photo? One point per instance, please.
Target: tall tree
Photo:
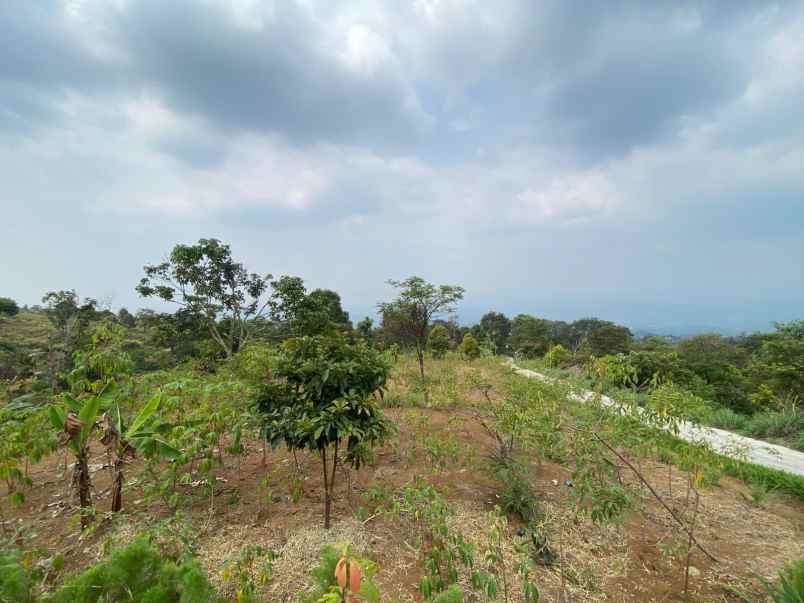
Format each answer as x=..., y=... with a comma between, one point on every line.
x=496, y=327
x=715, y=359
x=126, y=318
x=301, y=313
x=416, y=305
x=777, y=369
x=71, y=317
x=205, y=281
x=365, y=328
x=438, y=342
x=530, y=336
x=610, y=339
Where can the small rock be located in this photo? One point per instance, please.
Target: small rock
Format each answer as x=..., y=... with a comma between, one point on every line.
x=694, y=571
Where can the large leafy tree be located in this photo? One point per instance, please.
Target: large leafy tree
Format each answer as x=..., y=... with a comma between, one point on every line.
x=439, y=342
x=207, y=283
x=321, y=396
x=416, y=305
x=72, y=318
x=496, y=327
x=610, y=339
x=777, y=369
x=297, y=312
x=715, y=360
x=581, y=330
x=530, y=336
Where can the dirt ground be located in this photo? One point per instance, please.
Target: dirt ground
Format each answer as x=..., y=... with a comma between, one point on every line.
x=635, y=561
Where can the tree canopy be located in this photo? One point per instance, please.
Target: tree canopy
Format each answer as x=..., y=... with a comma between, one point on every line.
x=205, y=281
x=416, y=305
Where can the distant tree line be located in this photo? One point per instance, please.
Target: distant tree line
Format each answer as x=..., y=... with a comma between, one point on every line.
x=220, y=307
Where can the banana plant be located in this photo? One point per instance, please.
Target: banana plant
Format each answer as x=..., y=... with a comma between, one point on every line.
x=143, y=434
x=76, y=421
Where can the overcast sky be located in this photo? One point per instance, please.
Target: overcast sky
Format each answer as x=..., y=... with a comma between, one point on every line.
x=639, y=161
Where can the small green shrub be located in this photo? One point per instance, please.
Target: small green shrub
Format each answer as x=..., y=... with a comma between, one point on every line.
x=469, y=347
x=516, y=494
x=786, y=422
x=557, y=357
x=138, y=572
x=453, y=594
x=726, y=418
x=15, y=581
x=324, y=577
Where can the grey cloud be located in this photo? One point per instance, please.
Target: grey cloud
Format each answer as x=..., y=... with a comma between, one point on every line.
x=194, y=124
x=272, y=79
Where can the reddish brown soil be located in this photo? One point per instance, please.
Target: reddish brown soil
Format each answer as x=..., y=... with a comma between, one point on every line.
x=620, y=564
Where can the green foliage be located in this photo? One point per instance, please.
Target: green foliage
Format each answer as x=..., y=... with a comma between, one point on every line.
x=454, y=594
x=406, y=320
x=365, y=329
x=786, y=422
x=322, y=392
x=789, y=588
x=612, y=370
x=469, y=347
x=777, y=369
x=207, y=283
x=530, y=336
x=140, y=573
x=203, y=410
x=516, y=493
x=609, y=339
x=16, y=582
x=497, y=328
x=24, y=436
x=8, y=307
x=300, y=313
x=558, y=356
x=324, y=582
x=438, y=342
x=716, y=361
x=253, y=561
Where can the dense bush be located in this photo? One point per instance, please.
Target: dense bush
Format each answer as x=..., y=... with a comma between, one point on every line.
x=558, y=356
x=16, y=584
x=139, y=573
x=438, y=342
x=610, y=339
x=469, y=347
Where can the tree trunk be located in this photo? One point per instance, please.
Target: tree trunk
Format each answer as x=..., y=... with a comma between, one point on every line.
x=84, y=486
x=420, y=356
x=327, y=495
x=117, y=486
x=329, y=483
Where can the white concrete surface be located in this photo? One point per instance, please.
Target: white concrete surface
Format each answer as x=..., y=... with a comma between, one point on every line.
x=727, y=443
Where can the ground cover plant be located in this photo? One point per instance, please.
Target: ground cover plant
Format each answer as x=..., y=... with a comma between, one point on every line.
x=298, y=442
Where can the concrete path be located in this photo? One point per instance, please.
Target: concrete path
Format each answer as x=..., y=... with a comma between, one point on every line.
x=724, y=442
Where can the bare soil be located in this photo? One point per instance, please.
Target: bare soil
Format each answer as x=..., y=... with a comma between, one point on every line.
x=634, y=561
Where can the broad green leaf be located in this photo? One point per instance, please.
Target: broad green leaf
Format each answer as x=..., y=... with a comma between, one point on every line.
x=88, y=415
x=146, y=413
x=57, y=416
x=74, y=404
